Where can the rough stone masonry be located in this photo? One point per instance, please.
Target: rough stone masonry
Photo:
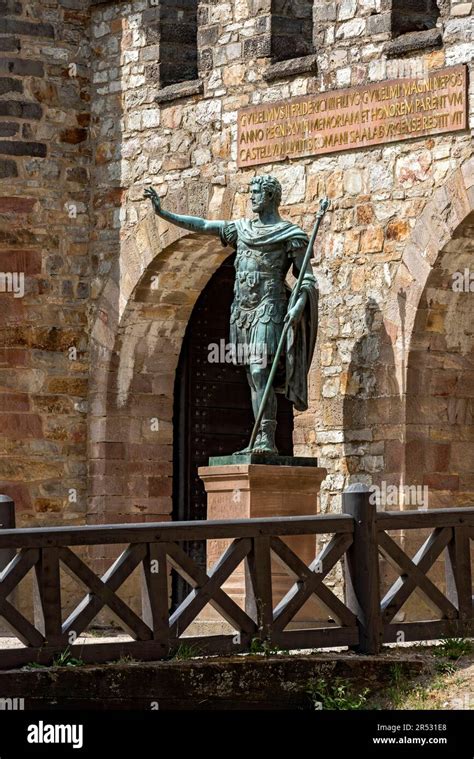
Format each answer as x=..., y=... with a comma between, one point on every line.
x=93, y=108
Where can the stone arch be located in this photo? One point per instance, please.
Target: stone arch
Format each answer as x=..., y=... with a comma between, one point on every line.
x=445, y=213
x=440, y=378
x=447, y=209
x=135, y=344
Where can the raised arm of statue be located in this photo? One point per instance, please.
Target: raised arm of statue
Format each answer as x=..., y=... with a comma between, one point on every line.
x=192, y=223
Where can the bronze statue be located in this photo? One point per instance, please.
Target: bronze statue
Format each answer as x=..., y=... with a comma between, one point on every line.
x=262, y=313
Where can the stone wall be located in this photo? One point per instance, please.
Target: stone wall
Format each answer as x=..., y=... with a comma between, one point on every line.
x=45, y=166
x=357, y=416
x=119, y=285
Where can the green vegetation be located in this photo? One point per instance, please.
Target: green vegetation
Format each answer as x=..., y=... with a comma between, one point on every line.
x=126, y=659
x=186, y=651
x=265, y=647
x=65, y=659
x=337, y=694
x=454, y=648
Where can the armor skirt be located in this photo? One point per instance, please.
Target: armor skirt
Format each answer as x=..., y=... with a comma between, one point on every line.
x=255, y=333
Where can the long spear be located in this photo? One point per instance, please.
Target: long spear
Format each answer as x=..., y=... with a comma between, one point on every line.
x=324, y=205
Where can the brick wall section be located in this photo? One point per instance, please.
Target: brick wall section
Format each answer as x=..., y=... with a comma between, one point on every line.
x=44, y=162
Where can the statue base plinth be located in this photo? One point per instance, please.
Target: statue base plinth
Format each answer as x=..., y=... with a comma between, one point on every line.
x=253, y=490
x=268, y=459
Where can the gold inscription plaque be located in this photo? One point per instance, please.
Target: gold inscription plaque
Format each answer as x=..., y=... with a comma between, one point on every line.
x=373, y=114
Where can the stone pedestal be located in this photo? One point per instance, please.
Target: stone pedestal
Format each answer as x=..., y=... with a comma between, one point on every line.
x=248, y=490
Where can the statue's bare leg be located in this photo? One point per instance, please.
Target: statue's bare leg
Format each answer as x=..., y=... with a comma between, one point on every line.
x=268, y=424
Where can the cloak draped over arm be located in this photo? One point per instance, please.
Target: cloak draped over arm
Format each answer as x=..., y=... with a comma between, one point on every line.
x=301, y=341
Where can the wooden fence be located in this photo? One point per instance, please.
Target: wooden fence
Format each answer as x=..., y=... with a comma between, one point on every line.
x=358, y=537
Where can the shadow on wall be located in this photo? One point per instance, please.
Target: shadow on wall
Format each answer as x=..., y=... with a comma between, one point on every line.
x=372, y=411
x=373, y=419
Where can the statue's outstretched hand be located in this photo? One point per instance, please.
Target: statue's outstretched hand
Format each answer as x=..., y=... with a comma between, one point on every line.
x=151, y=193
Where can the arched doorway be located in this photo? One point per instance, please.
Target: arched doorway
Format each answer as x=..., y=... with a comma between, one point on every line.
x=439, y=450
x=212, y=411
x=439, y=419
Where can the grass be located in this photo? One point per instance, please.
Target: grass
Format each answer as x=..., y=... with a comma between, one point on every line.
x=127, y=659
x=445, y=683
x=259, y=646
x=399, y=686
x=96, y=632
x=65, y=659
x=454, y=648
x=443, y=667
x=337, y=694
x=186, y=651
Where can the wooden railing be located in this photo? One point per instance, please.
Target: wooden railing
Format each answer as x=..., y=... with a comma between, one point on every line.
x=451, y=531
x=358, y=538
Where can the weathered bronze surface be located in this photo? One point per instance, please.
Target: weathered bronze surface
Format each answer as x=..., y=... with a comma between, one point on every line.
x=358, y=117
x=263, y=319
x=263, y=458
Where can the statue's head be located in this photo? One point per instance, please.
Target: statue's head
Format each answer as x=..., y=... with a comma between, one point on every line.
x=265, y=192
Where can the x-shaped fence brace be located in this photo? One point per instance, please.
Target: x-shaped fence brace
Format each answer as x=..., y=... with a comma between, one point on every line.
x=413, y=573
x=154, y=559
x=260, y=618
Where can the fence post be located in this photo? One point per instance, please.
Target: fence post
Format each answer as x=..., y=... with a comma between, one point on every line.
x=7, y=522
x=362, y=586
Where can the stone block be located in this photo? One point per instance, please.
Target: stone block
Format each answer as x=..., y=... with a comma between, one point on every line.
x=180, y=90
x=20, y=109
x=23, y=148
x=305, y=64
x=73, y=135
x=380, y=23
x=257, y=47
x=371, y=240
x=349, y=29
x=31, y=29
x=263, y=490
x=441, y=481
x=461, y=9
x=413, y=41
x=10, y=44
x=346, y=10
